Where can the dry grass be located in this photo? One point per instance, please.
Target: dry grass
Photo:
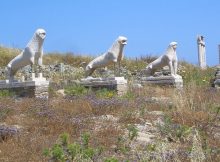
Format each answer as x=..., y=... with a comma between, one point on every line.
x=43, y=121
x=196, y=108
x=7, y=54
x=195, y=105
x=66, y=58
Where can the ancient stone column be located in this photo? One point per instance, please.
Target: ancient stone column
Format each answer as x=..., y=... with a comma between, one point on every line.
x=201, y=52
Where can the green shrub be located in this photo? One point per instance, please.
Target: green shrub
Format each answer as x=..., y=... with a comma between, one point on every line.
x=58, y=152
x=132, y=132
x=52, y=92
x=74, y=149
x=6, y=93
x=174, y=131
x=85, y=140
x=122, y=145
x=112, y=159
x=128, y=95
x=105, y=93
x=88, y=153
x=75, y=90
x=64, y=151
x=195, y=74
x=64, y=138
x=166, y=128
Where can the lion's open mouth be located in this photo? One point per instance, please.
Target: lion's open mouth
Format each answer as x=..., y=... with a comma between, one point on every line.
x=124, y=42
x=42, y=35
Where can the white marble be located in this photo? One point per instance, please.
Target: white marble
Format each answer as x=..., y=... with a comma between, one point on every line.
x=168, y=59
x=32, y=54
x=37, y=88
x=175, y=81
x=113, y=55
x=115, y=83
x=118, y=80
x=5, y=84
x=217, y=78
x=201, y=52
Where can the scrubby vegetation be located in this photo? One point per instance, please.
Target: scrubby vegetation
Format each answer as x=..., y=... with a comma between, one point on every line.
x=148, y=124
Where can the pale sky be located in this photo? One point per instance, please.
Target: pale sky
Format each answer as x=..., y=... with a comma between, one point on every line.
x=89, y=27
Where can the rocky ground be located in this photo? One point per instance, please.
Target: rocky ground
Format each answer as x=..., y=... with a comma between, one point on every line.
x=149, y=124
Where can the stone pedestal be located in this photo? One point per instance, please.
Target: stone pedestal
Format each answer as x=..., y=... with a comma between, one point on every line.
x=37, y=87
x=116, y=83
x=217, y=78
x=175, y=81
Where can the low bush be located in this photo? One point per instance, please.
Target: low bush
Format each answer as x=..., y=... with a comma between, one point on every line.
x=76, y=90
x=65, y=151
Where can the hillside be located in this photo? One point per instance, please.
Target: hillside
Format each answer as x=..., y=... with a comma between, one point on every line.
x=131, y=67
x=146, y=124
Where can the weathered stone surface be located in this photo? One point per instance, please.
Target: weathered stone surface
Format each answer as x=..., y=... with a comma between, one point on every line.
x=175, y=81
x=147, y=134
x=217, y=78
x=116, y=83
x=60, y=92
x=103, y=118
x=37, y=87
x=217, y=83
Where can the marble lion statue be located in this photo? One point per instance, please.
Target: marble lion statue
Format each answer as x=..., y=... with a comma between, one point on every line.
x=113, y=55
x=168, y=59
x=33, y=53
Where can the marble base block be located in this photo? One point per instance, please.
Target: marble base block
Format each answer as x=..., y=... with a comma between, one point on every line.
x=116, y=83
x=217, y=78
x=217, y=83
x=175, y=81
x=38, y=87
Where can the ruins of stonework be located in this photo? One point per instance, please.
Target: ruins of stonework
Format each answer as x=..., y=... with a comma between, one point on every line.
x=217, y=78
x=36, y=86
x=174, y=81
x=168, y=59
x=32, y=88
x=201, y=52
x=116, y=83
x=113, y=56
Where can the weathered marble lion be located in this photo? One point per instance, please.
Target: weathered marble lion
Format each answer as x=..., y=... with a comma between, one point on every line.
x=33, y=53
x=113, y=55
x=168, y=59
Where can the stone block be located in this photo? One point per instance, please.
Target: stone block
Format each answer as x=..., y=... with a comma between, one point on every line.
x=115, y=83
x=175, y=81
x=217, y=78
x=217, y=83
x=32, y=88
